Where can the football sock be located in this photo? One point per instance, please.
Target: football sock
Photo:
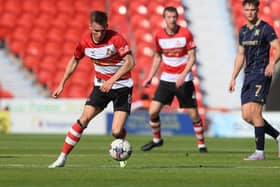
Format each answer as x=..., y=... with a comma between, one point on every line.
x=198, y=130
x=121, y=135
x=259, y=137
x=155, y=126
x=72, y=138
x=270, y=130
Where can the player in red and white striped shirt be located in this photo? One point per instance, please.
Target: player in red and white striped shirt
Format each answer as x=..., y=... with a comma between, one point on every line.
x=113, y=62
x=175, y=48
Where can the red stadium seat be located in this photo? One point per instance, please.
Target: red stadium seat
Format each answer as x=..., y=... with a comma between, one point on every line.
x=17, y=40
x=98, y=5
x=77, y=91
x=53, y=49
x=25, y=20
x=43, y=21
x=13, y=7
x=80, y=22
x=69, y=48
x=7, y=23
x=62, y=62
x=72, y=35
x=82, y=6
x=34, y=49
x=31, y=7
x=38, y=34
x=61, y=21
x=48, y=7
x=55, y=35
x=65, y=7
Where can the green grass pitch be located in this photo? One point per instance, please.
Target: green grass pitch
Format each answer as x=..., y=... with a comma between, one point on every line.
x=24, y=160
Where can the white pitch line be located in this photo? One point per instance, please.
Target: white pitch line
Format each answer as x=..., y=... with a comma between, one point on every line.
x=135, y=167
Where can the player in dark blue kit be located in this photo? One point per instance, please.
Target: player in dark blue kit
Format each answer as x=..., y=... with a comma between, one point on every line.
x=255, y=40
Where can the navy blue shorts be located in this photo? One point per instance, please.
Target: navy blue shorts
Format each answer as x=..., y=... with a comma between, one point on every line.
x=185, y=94
x=255, y=88
x=121, y=98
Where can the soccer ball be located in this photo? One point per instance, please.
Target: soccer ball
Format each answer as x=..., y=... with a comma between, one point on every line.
x=120, y=149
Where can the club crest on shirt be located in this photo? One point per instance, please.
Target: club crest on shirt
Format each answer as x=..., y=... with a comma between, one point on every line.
x=257, y=32
x=109, y=52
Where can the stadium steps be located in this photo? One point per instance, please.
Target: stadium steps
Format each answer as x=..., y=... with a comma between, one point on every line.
x=15, y=79
x=214, y=36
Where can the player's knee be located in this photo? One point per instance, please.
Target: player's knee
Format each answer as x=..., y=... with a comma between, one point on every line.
x=247, y=117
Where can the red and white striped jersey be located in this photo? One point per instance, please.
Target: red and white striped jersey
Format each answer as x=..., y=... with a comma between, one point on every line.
x=174, y=50
x=107, y=57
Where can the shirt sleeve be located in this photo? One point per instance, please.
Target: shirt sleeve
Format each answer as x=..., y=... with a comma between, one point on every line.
x=79, y=51
x=122, y=45
x=190, y=41
x=156, y=44
x=270, y=34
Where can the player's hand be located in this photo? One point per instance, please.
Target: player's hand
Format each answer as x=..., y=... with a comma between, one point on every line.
x=106, y=86
x=180, y=81
x=269, y=70
x=57, y=92
x=146, y=83
x=231, y=87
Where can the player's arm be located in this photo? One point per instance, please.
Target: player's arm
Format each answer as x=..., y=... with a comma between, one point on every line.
x=190, y=63
x=70, y=68
x=155, y=66
x=238, y=64
x=125, y=68
x=275, y=45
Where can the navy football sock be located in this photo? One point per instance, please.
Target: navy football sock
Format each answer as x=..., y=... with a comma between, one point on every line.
x=259, y=135
x=270, y=130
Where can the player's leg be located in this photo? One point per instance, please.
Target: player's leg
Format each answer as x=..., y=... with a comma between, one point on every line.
x=269, y=129
x=164, y=95
x=119, y=119
x=187, y=100
x=198, y=128
x=155, y=125
x=252, y=113
x=74, y=134
x=122, y=107
x=96, y=102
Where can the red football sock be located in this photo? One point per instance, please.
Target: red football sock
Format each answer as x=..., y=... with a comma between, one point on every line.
x=72, y=138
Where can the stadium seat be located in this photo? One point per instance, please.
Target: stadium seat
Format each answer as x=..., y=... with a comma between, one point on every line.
x=62, y=62
x=69, y=48
x=25, y=20
x=53, y=49
x=43, y=21
x=65, y=7
x=48, y=7
x=7, y=23
x=31, y=7
x=17, y=40
x=61, y=21
x=98, y=5
x=82, y=6
x=73, y=35
x=12, y=7
x=38, y=34
x=33, y=50
x=76, y=91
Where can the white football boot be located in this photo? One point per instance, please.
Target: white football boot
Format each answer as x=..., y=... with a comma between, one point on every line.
x=257, y=155
x=123, y=164
x=60, y=162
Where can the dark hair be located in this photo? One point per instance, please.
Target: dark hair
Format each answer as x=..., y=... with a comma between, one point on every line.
x=98, y=17
x=256, y=3
x=170, y=9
